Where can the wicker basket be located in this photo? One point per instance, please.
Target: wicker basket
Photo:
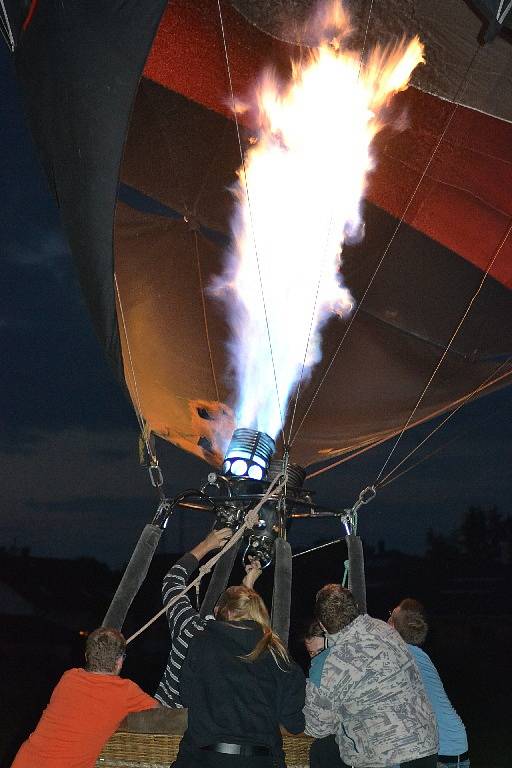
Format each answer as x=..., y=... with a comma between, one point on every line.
x=157, y=750
x=139, y=750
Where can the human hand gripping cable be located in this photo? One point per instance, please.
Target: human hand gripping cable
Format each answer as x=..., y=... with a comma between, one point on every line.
x=214, y=540
x=251, y=519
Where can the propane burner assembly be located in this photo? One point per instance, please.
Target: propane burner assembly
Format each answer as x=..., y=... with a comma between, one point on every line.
x=248, y=454
x=248, y=469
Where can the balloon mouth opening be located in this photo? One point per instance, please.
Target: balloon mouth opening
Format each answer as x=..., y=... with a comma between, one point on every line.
x=248, y=454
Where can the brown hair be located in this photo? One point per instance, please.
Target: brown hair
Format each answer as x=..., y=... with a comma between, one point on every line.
x=103, y=648
x=410, y=621
x=335, y=607
x=241, y=603
x=314, y=630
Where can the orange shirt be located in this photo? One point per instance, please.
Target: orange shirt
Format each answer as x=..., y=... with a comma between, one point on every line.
x=84, y=711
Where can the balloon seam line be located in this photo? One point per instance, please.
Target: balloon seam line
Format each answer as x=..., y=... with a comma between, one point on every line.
x=299, y=385
x=375, y=444
x=203, y=303
x=461, y=403
x=445, y=353
x=250, y=216
x=386, y=250
x=137, y=407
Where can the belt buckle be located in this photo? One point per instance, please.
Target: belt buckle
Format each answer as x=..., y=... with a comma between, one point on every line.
x=243, y=750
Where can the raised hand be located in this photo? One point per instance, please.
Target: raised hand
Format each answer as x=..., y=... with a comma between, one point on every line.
x=214, y=540
x=252, y=571
x=217, y=539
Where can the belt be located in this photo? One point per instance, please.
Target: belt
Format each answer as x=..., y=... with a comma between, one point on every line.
x=452, y=759
x=238, y=749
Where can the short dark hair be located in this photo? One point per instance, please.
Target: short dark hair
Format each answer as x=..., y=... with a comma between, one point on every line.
x=410, y=621
x=103, y=648
x=313, y=630
x=335, y=607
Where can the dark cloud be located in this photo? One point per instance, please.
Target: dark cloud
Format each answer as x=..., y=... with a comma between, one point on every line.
x=30, y=228
x=471, y=468
x=114, y=453
x=106, y=528
x=101, y=527
x=53, y=373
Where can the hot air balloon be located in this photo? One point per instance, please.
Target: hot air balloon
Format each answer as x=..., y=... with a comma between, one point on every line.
x=141, y=169
x=131, y=106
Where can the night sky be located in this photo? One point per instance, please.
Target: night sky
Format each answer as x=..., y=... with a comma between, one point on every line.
x=70, y=482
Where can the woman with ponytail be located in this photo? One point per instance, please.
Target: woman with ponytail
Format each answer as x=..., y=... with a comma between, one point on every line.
x=240, y=686
x=244, y=604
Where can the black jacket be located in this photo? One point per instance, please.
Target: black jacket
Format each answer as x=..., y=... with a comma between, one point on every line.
x=235, y=701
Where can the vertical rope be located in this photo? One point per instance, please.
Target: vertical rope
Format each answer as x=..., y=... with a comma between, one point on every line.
x=242, y=157
x=203, y=302
x=385, y=480
x=459, y=403
x=136, y=406
x=299, y=385
x=386, y=250
x=443, y=356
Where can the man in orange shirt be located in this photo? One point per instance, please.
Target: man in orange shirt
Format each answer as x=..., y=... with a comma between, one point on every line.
x=85, y=708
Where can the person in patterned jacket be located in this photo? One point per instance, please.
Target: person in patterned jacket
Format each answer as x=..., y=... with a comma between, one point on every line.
x=184, y=621
x=366, y=705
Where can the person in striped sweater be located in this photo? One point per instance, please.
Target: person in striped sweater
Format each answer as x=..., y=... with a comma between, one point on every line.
x=184, y=620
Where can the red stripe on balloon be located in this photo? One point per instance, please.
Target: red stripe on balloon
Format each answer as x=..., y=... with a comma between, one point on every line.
x=30, y=13
x=464, y=200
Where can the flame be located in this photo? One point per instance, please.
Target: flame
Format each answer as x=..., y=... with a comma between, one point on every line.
x=298, y=199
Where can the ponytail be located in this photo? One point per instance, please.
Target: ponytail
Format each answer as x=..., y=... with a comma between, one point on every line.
x=242, y=603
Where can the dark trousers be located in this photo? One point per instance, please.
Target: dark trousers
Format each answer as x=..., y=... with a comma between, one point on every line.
x=198, y=758
x=324, y=753
x=216, y=760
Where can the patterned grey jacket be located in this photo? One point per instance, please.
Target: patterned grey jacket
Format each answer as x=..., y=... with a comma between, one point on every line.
x=371, y=697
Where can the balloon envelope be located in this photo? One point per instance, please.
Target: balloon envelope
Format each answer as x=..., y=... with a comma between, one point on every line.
x=171, y=138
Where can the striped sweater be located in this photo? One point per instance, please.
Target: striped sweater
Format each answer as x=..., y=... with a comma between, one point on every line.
x=184, y=623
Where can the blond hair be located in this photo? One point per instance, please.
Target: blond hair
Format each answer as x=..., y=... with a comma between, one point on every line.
x=244, y=604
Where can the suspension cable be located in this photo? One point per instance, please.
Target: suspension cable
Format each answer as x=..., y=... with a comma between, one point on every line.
x=489, y=382
x=363, y=49
x=246, y=184
x=443, y=356
x=250, y=521
x=427, y=456
x=376, y=443
x=319, y=546
x=205, y=317
x=351, y=456
x=395, y=232
x=388, y=479
x=299, y=385
x=433, y=453
x=137, y=405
